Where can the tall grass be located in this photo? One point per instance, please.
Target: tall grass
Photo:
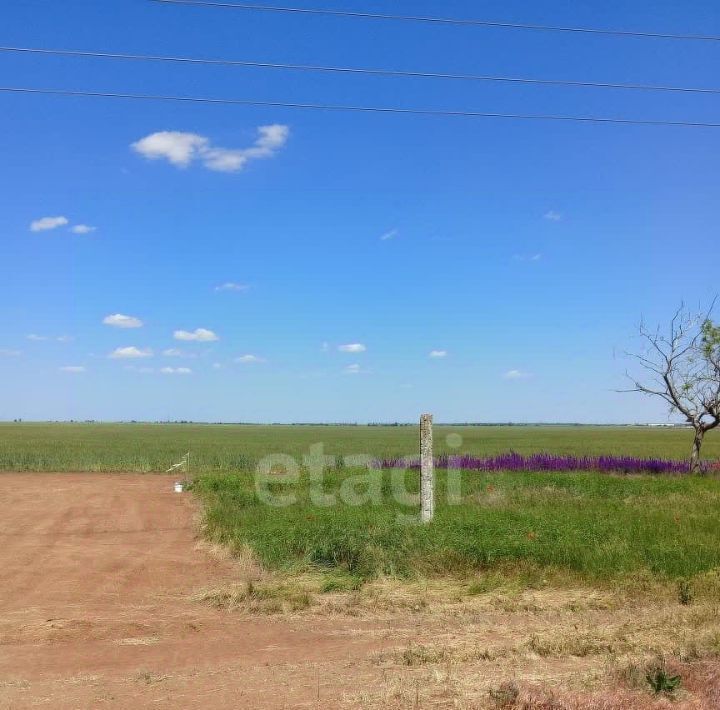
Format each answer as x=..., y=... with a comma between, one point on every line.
x=599, y=526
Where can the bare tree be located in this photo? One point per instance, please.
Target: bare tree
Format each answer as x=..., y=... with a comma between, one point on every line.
x=683, y=368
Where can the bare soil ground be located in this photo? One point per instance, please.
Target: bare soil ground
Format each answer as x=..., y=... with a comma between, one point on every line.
x=97, y=577
x=109, y=598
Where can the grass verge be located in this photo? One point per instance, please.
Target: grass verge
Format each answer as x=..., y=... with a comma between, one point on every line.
x=599, y=527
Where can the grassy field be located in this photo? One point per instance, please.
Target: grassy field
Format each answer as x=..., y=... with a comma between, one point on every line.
x=598, y=526
x=228, y=448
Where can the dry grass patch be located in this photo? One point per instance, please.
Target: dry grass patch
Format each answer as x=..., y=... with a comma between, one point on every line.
x=259, y=598
x=139, y=641
x=598, y=647
x=457, y=639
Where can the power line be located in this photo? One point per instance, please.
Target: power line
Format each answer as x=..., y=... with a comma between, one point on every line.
x=441, y=20
x=356, y=70
x=358, y=109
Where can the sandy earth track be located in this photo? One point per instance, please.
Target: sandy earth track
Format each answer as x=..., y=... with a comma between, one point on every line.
x=97, y=575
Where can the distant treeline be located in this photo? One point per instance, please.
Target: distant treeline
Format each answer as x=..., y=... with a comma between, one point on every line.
x=345, y=424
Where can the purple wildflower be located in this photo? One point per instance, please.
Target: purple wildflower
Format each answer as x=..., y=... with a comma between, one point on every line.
x=512, y=461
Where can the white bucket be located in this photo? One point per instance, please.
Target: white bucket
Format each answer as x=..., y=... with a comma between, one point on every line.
x=179, y=486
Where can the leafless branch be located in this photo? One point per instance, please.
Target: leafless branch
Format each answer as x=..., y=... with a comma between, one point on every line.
x=683, y=365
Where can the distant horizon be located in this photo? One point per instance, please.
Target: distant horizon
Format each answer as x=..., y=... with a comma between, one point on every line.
x=181, y=422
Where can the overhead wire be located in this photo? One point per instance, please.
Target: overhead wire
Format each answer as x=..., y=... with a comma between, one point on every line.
x=357, y=108
x=442, y=20
x=354, y=70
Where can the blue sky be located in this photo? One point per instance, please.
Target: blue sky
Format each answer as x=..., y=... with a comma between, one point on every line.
x=523, y=252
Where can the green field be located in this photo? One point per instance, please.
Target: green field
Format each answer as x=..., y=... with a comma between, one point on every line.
x=228, y=448
x=598, y=526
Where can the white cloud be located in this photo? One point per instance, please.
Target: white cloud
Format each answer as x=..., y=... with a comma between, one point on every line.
x=232, y=286
x=82, y=229
x=200, y=335
x=224, y=160
x=216, y=366
x=249, y=359
x=389, y=235
x=528, y=257
x=352, y=348
x=42, y=338
x=175, y=370
x=176, y=147
x=355, y=369
x=270, y=139
x=141, y=370
x=553, y=216
x=72, y=368
x=181, y=149
x=436, y=354
x=516, y=375
x=130, y=352
x=118, y=320
x=46, y=223
x=175, y=352
x=9, y=352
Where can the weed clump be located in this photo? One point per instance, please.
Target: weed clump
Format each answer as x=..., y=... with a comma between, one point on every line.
x=263, y=598
x=661, y=682
x=505, y=695
x=685, y=592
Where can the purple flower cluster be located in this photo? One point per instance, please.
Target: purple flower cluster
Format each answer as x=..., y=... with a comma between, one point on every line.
x=545, y=462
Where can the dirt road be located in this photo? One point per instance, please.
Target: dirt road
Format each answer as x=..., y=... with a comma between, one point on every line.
x=101, y=605
x=97, y=576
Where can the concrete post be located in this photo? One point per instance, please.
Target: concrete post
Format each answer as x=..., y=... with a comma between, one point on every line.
x=427, y=473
